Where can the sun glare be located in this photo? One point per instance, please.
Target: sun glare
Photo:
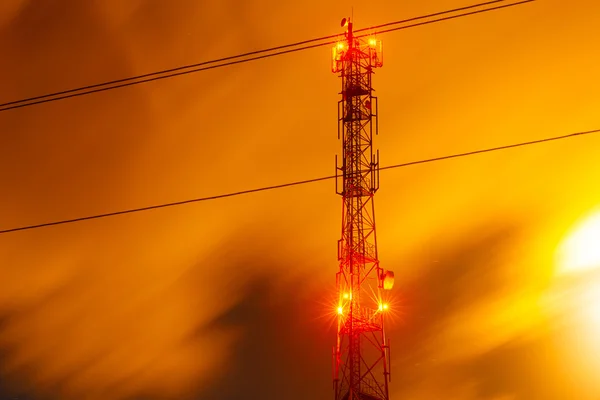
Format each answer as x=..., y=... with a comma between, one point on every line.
x=580, y=250
x=591, y=306
x=578, y=281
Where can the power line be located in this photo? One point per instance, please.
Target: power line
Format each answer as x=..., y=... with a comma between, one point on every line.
x=487, y=3
x=296, y=183
x=445, y=18
x=131, y=82
x=149, y=77
x=488, y=150
x=244, y=57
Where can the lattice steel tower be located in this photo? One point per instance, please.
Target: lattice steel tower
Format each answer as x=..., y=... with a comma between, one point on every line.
x=361, y=356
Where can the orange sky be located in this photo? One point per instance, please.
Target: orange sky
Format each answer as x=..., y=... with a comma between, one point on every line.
x=227, y=298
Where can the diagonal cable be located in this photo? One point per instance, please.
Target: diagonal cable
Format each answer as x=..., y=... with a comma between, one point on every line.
x=295, y=183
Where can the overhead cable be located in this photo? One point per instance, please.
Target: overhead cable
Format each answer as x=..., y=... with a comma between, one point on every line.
x=288, y=184
x=249, y=56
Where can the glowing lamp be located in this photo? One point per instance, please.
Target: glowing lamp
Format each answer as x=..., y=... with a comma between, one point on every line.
x=340, y=310
x=388, y=280
x=337, y=55
x=375, y=50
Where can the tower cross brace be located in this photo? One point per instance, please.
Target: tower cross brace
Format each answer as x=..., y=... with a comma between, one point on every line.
x=361, y=355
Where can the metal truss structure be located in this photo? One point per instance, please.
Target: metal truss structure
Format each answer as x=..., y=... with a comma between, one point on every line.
x=361, y=357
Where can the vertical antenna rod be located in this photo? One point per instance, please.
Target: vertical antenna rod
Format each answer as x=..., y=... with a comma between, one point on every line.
x=360, y=357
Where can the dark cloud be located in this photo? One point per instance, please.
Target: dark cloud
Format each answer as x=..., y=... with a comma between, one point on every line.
x=280, y=352
x=459, y=273
x=522, y=369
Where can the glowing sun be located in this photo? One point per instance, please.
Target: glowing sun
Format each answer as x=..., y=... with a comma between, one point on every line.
x=580, y=250
x=578, y=262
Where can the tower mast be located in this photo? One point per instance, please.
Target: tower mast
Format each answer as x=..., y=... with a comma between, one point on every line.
x=361, y=355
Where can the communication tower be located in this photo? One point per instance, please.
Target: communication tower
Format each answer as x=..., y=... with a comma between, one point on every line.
x=361, y=369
